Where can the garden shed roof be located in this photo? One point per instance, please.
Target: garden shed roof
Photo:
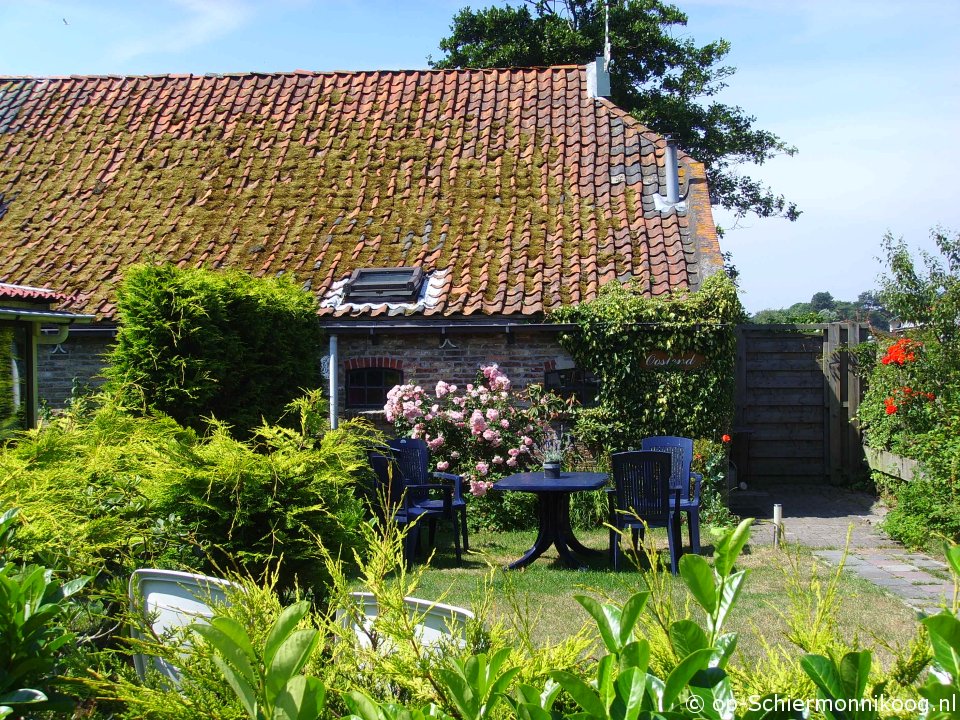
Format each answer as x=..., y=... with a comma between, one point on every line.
x=512, y=189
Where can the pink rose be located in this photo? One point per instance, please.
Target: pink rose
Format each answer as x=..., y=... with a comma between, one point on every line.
x=528, y=441
x=483, y=468
x=512, y=462
x=504, y=423
x=455, y=455
x=479, y=488
x=443, y=466
x=497, y=460
x=493, y=414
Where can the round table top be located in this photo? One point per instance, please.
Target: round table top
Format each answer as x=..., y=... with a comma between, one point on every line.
x=535, y=482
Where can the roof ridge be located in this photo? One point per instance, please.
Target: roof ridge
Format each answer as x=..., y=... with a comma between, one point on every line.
x=299, y=72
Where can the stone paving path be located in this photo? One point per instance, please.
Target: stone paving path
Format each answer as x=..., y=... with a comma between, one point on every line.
x=820, y=517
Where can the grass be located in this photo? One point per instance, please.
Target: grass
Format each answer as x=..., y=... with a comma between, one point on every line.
x=547, y=588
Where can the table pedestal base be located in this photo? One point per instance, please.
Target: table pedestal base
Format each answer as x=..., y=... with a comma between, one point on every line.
x=555, y=530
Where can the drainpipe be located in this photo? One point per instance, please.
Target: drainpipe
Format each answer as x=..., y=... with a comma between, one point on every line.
x=670, y=167
x=334, y=383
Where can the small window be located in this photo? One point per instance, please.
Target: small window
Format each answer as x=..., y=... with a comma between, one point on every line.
x=380, y=285
x=573, y=381
x=367, y=387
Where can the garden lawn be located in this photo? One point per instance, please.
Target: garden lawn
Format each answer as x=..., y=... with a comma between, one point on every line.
x=546, y=590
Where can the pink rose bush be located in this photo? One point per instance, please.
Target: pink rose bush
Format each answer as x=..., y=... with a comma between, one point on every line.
x=481, y=432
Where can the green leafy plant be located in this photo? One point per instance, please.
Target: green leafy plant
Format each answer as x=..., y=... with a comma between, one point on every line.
x=32, y=607
x=616, y=334
x=268, y=681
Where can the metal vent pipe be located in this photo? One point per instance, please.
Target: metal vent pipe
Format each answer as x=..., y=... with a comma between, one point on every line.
x=670, y=166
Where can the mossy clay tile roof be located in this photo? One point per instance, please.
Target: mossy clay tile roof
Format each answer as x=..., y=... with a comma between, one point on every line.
x=527, y=192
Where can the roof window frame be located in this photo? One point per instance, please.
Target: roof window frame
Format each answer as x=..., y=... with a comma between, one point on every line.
x=364, y=288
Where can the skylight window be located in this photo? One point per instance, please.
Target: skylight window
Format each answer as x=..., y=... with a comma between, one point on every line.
x=384, y=285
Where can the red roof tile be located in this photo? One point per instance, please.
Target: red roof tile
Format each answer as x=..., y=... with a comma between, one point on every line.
x=530, y=193
x=30, y=294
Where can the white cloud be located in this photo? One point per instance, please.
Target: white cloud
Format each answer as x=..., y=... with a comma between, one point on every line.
x=197, y=23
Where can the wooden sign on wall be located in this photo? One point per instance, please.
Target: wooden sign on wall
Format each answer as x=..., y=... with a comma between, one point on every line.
x=661, y=360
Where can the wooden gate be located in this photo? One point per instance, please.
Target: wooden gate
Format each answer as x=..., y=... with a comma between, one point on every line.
x=797, y=393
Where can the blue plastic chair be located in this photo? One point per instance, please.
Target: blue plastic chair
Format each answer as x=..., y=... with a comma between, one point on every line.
x=413, y=458
x=642, y=497
x=681, y=452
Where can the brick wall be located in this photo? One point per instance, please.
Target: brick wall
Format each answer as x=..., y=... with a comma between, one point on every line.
x=419, y=357
x=424, y=362
x=80, y=357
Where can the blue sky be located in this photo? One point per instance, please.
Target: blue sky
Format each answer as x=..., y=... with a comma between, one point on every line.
x=868, y=90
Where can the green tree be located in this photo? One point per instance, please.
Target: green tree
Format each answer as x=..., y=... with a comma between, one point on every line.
x=666, y=82
x=822, y=301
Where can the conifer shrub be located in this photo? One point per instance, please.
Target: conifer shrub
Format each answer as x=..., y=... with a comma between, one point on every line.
x=194, y=343
x=103, y=491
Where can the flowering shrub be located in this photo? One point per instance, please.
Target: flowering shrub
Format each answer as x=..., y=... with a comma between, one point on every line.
x=482, y=432
x=912, y=405
x=900, y=404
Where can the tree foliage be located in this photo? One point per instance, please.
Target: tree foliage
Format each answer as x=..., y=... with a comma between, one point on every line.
x=666, y=82
x=823, y=307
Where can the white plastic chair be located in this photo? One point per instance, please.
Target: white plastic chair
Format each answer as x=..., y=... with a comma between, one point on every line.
x=436, y=623
x=169, y=600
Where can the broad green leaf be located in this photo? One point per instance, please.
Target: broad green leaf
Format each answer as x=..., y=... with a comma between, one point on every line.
x=687, y=637
x=630, y=614
x=241, y=688
x=301, y=699
x=361, y=705
x=681, y=675
x=236, y=632
x=944, y=631
x=712, y=687
x=501, y=684
x=635, y=654
x=284, y=625
x=228, y=651
x=854, y=673
x=723, y=648
x=606, y=676
x=607, y=618
x=23, y=696
x=630, y=689
x=729, y=592
x=581, y=692
x=952, y=553
x=289, y=659
x=728, y=548
x=460, y=691
x=701, y=580
x=824, y=674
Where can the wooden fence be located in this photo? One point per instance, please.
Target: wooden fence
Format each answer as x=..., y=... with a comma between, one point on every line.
x=797, y=392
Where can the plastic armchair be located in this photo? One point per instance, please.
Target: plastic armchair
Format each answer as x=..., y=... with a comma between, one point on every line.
x=409, y=501
x=641, y=497
x=168, y=601
x=681, y=453
x=413, y=458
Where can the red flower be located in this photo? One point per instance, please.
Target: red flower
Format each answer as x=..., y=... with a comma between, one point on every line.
x=890, y=405
x=901, y=352
x=725, y=438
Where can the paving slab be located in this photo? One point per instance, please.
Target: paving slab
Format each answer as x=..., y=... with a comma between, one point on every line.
x=823, y=518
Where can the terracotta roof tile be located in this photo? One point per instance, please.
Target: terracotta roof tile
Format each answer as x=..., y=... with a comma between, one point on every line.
x=529, y=192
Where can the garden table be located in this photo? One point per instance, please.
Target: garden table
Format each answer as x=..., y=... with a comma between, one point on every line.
x=553, y=500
